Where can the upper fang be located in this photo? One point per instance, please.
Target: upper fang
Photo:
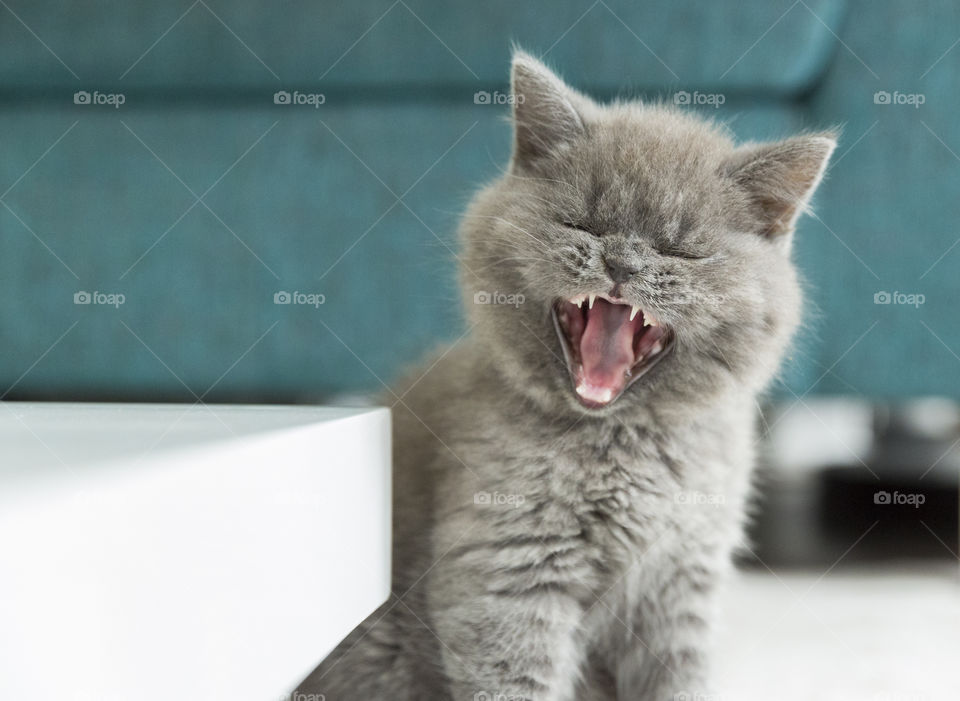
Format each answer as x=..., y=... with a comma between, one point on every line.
x=592, y=298
x=634, y=312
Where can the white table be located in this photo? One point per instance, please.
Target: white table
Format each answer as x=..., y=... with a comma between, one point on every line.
x=185, y=552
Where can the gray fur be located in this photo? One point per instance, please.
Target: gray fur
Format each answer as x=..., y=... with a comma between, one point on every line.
x=599, y=583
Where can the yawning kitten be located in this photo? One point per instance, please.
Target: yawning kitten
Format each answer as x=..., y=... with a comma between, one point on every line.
x=570, y=477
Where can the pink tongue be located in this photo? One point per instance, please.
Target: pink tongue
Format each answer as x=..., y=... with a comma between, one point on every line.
x=606, y=351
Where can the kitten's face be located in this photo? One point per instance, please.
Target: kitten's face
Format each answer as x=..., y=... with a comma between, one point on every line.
x=650, y=254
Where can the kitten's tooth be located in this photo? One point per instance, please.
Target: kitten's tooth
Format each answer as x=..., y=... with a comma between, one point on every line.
x=648, y=320
x=657, y=347
x=592, y=298
x=579, y=302
x=634, y=312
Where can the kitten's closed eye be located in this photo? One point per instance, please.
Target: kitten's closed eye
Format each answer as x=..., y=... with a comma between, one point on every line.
x=580, y=227
x=671, y=252
x=678, y=253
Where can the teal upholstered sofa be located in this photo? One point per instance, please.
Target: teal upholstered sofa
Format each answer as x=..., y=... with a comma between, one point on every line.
x=264, y=148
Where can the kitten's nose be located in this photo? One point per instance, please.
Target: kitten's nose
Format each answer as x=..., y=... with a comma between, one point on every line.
x=619, y=270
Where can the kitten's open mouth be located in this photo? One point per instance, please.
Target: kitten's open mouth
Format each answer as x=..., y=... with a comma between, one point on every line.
x=608, y=345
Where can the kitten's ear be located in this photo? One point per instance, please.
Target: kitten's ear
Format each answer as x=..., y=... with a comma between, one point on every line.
x=779, y=179
x=545, y=110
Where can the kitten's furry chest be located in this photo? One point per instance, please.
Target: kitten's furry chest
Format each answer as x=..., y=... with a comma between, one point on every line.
x=639, y=489
x=626, y=491
x=534, y=500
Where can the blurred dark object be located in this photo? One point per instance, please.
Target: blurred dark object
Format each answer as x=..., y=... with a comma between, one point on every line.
x=901, y=503
x=909, y=487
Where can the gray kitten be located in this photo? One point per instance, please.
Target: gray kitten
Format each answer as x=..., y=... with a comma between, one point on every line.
x=571, y=477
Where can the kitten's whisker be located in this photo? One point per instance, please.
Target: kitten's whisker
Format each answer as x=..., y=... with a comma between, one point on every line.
x=520, y=250
x=505, y=260
x=518, y=246
x=482, y=216
x=546, y=180
x=572, y=200
x=509, y=223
